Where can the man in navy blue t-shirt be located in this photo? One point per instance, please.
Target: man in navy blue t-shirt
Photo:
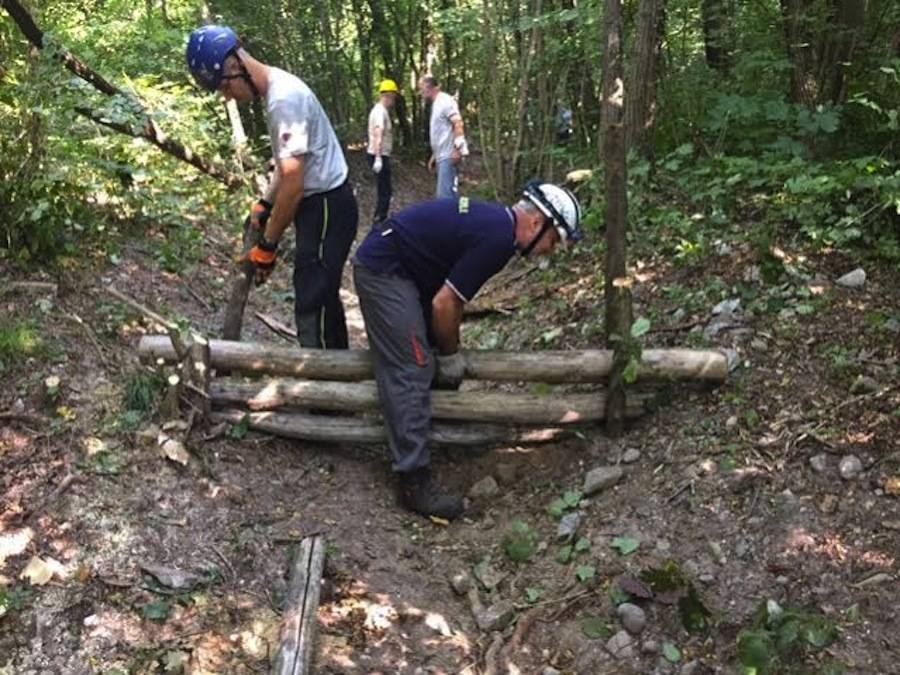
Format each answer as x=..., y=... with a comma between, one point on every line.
x=414, y=273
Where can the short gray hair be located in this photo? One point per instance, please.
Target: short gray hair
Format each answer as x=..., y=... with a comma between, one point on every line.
x=527, y=205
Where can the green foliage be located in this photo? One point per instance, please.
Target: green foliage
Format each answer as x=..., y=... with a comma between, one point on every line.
x=19, y=340
x=142, y=390
x=781, y=638
x=569, y=501
x=519, y=542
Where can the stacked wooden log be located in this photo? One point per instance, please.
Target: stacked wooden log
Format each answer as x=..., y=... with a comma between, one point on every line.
x=291, y=381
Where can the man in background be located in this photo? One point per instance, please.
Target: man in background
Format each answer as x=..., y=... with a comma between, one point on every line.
x=378, y=151
x=448, y=137
x=309, y=187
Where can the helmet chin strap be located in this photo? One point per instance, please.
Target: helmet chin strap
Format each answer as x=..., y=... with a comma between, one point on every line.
x=245, y=75
x=525, y=252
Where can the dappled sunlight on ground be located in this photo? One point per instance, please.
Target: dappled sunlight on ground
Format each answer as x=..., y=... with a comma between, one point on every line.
x=832, y=546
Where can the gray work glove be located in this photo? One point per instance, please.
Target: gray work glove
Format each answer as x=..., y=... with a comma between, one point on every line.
x=451, y=369
x=376, y=164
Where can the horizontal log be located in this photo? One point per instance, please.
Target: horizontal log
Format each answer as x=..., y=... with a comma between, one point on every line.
x=552, y=367
x=471, y=406
x=334, y=429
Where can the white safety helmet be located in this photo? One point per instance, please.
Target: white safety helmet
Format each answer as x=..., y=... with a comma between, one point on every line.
x=559, y=205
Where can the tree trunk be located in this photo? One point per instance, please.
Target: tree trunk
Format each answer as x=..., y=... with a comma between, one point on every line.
x=838, y=46
x=716, y=21
x=640, y=105
x=616, y=292
x=551, y=367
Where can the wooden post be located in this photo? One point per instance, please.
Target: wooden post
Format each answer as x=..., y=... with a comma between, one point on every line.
x=616, y=291
x=298, y=624
x=200, y=363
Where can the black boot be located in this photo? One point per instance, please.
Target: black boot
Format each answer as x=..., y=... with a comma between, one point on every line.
x=419, y=493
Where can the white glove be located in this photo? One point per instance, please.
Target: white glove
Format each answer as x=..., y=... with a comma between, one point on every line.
x=460, y=144
x=376, y=165
x=451, y=370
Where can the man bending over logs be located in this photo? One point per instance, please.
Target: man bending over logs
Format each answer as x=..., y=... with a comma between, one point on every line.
x=414, y=273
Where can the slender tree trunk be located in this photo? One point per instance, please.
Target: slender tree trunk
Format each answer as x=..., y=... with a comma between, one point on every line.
x=716, y=21
x=838, y=47
x=616, y=292
x=640, y=106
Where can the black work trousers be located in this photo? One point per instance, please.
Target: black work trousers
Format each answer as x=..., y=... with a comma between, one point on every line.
x=383, y=185
x=326, y=227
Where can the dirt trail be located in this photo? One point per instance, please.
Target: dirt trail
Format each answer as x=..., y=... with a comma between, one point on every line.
x=729, y=496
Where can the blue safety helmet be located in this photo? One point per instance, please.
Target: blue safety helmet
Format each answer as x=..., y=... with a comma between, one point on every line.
x=207, y=50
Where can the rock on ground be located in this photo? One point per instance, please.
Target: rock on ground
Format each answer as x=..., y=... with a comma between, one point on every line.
x=601, y=478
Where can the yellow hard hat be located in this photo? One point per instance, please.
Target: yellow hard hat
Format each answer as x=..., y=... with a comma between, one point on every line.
x=388, y=87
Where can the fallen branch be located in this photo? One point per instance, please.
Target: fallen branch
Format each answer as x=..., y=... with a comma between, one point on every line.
x=39, y=286
x=23, y=417
x=298, y=625
x=149, y=131
x=280, y=329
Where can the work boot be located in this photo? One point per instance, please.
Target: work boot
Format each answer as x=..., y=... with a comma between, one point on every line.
x=419, y=493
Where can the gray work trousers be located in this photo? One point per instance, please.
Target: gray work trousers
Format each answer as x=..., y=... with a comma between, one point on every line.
x=404, y=365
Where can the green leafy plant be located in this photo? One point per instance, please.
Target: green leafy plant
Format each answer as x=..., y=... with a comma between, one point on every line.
x=142, y=390
x=781, y=638
x=519, y=542
x=569, y=500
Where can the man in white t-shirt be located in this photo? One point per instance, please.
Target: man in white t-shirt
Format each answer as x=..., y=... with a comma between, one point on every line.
x=378, y=150
x=448, y=137
x=309, y=187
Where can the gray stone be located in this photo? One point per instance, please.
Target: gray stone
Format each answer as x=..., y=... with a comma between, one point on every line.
x=787, y=502
x=620, y=645
x=863, y=385
x=550, y=670
x=741, y=548
x=731, y=422
x=633, y=617
x=759, y=345
x=486, y=487
x=601, y=478
x=495, y=617
x=892, y=326
x=850, y=467
x=461, y=582
x=690, y=668
x=506, y=473
x=853, y=279
x=819, y=463
x=631, y=456
x=729, y=306
x=568, y=526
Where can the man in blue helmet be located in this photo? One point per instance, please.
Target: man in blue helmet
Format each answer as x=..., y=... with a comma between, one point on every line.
x=309, y=186
x=414, y=273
